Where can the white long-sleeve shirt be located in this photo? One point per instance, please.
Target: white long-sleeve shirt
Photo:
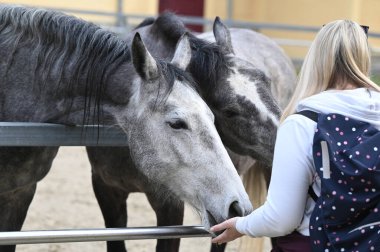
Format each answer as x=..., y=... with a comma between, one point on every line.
x=288, y=206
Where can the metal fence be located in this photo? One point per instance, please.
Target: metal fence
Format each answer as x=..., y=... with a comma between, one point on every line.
x=45, y=134
x=105, y=234
x=125, y=22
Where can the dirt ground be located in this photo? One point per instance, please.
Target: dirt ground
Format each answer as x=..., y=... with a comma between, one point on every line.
x=65, y=200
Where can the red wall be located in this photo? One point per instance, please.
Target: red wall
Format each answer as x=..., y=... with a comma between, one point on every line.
x=184, y=7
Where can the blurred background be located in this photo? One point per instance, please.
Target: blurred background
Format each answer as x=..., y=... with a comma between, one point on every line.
x=292, y=23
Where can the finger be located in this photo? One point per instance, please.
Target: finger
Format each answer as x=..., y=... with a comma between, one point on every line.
x=218, y=227
x=222, y=238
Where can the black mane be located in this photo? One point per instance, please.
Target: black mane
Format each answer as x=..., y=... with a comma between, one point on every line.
x=209, y=64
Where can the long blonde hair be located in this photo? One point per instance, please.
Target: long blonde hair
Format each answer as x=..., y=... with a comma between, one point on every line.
x=339, y=55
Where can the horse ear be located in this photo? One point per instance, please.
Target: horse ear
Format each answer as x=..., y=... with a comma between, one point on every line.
x=182, y=54
x=145, y=65
x=222, y=35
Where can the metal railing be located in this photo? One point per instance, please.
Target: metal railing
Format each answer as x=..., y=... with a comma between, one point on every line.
x=105, y=234
x=45, y=134
x=125, y=22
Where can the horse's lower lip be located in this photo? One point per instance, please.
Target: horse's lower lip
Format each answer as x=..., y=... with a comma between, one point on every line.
x=211, y=219
x=213, y=222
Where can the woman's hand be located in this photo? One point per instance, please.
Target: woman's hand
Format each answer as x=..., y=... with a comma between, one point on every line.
x=230, y=233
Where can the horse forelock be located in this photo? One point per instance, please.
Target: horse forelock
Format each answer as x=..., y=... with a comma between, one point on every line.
x=209, y=64
x=171, y=73
x=60, y=40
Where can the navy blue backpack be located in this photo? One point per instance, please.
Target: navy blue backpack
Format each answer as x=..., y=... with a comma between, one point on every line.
x=346, y=155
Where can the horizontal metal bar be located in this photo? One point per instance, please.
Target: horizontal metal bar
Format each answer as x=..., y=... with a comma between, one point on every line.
x=81, y=11
x=194, y=20
x=45, y=134
x=105, y=234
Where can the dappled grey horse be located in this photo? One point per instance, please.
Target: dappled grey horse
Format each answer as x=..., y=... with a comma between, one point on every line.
x=239, y=91
x=59, y=69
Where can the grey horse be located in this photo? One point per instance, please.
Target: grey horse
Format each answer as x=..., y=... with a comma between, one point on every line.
x=239, y=91
x=59, y=69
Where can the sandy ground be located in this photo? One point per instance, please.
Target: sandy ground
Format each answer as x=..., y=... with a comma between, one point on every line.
x=65, y=200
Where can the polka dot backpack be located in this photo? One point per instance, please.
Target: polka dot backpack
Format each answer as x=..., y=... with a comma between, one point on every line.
x=346, y=155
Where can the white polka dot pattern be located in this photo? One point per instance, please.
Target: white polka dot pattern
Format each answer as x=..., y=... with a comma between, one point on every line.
x=346, y=216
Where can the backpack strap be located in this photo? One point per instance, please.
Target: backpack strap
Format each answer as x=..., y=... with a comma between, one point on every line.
x=309, y=114
x=313, y=116
x=312, y=194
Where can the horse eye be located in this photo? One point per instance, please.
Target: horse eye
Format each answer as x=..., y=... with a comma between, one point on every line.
x=178, y=124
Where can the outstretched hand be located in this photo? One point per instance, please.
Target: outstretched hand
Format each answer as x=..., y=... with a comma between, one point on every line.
x=230, y=233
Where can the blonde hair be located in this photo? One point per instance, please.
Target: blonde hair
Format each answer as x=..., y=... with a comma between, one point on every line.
x=338, y=56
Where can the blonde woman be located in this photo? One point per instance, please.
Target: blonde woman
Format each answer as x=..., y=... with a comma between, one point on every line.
x=333, y=79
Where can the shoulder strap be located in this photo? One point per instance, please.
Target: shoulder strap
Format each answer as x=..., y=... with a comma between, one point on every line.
x=312, y=194
x=309, y=114
x=313, y=116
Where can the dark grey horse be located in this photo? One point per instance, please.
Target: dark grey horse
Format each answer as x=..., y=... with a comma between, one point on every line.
x=238, y=91
x=59, y=69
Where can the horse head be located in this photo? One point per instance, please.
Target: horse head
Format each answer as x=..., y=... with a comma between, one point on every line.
x=247, y=114
x=237, y=91
x=173, y=140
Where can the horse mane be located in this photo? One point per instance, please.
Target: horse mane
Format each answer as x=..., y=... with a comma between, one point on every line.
x=93, y=53
x=208, y=63
x=170, y=25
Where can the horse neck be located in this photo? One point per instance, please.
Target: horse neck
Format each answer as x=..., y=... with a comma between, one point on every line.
x=58, y=92
x=110, y=96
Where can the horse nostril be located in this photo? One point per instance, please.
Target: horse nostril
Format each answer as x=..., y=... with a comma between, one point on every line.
x=235, y=210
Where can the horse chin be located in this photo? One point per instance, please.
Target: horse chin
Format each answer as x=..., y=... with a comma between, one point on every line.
x=208, y=220
x=211, y=220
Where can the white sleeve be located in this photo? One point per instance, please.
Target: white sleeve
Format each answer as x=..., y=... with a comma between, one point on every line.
x=292, y=173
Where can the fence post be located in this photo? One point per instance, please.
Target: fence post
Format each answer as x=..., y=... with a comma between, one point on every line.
x=120, y=19
x=230, y=12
